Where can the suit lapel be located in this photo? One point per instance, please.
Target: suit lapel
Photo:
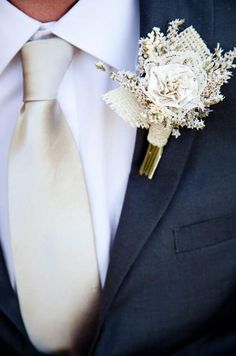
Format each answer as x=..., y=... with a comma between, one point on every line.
x=147, y=200
x=144, y=205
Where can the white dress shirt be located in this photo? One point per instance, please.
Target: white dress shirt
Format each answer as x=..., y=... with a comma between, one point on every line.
x=101, y=30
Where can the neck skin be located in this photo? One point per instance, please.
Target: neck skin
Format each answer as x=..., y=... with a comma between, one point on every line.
x=44, y=10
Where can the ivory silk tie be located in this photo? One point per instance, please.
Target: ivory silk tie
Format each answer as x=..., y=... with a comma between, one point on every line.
x=51, y=230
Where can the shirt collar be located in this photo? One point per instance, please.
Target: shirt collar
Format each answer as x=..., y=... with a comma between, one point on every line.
x=109, y=30
x=16, y=28
x=106, y=29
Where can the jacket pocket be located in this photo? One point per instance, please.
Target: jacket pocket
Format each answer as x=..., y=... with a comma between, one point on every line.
x=205, y=233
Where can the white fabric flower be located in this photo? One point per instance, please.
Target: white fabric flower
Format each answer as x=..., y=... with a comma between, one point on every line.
x=172, y=86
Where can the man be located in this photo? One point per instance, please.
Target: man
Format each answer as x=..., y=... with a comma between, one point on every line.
x=166, y=262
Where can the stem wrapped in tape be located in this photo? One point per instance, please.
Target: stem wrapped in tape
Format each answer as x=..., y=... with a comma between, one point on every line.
x=157, y=137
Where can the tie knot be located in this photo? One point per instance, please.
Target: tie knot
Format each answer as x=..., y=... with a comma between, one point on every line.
x=44, y=64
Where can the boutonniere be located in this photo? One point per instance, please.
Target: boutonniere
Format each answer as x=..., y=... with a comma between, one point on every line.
x=177, y=80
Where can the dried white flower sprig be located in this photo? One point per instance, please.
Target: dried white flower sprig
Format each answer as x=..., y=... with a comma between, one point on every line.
x=176, y=82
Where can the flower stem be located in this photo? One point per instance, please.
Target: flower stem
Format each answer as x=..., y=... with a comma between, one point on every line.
x=151, y=160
